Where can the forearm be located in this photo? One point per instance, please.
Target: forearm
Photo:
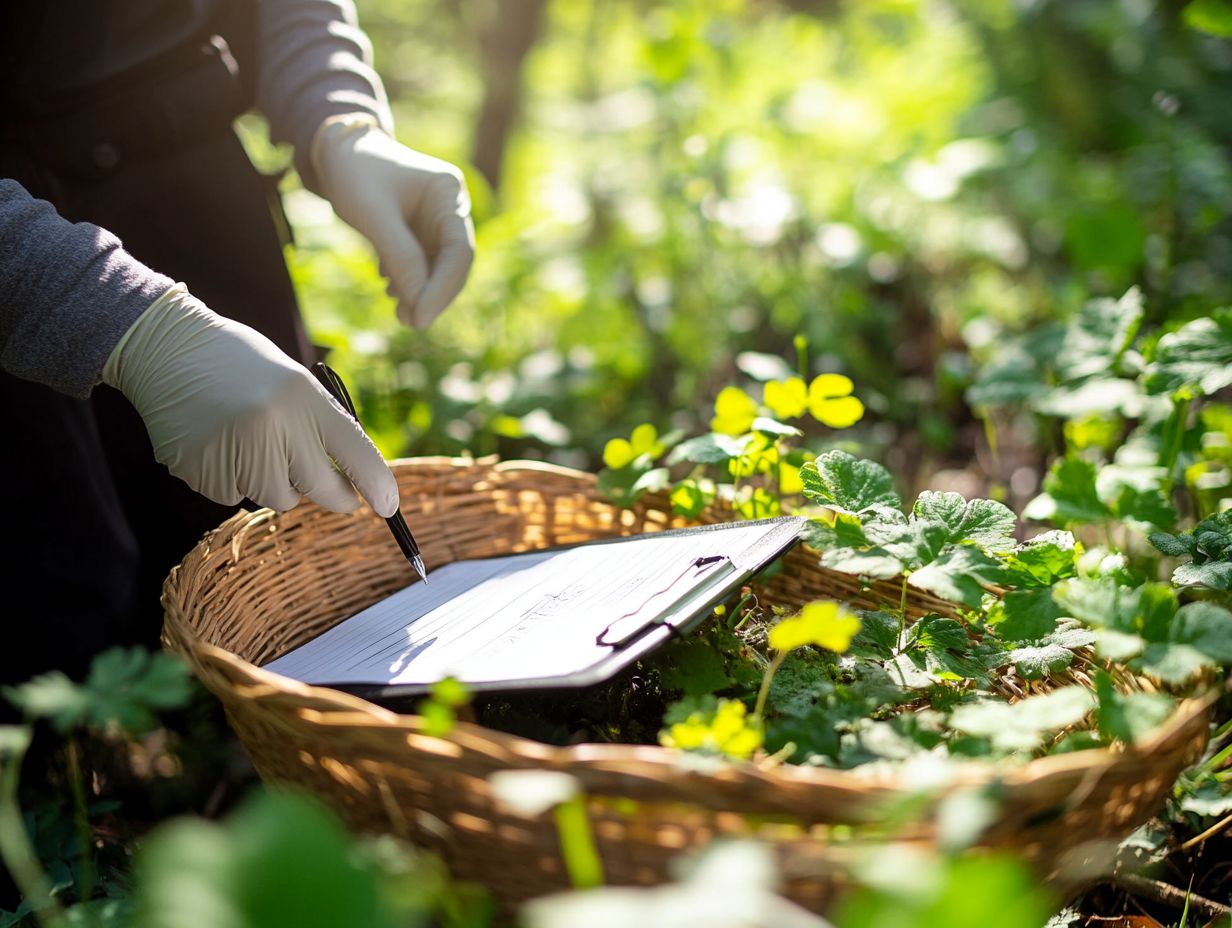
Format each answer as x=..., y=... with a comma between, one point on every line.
x=314, y=62
x=68, y=292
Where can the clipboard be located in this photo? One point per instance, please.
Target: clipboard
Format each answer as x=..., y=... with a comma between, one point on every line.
x=558, y=618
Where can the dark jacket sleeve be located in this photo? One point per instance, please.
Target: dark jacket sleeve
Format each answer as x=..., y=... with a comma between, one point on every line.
x=314, y=62
x=68, y=292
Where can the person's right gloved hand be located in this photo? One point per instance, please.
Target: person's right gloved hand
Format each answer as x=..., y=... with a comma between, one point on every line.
x=233, y=416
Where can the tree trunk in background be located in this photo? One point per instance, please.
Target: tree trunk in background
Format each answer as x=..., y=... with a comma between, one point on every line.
x=511, y=30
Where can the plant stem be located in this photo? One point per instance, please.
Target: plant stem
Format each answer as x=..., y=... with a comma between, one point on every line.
x=902, y=613
x=1170, y=895
x=16, y=850
x=1174, y=437
x=577, y=844
x=990, y=437
x=1209, y=833
x=764, y=692
x=81, y=816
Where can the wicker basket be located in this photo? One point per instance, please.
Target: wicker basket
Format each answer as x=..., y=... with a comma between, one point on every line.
x=264, y=582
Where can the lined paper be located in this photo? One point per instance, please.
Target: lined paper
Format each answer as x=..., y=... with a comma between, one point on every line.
x=531, y=616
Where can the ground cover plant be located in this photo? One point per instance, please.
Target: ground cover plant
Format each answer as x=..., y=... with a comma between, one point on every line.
x=946, y=277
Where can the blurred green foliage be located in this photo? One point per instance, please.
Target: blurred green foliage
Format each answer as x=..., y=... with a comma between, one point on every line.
x=904, y=183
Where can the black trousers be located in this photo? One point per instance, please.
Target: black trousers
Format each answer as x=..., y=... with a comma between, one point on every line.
x=92, y=523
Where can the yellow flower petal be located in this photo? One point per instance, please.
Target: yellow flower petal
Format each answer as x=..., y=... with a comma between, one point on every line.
x=838, y=413
x=787, y=399
x=645, y=440
x=828, y=386
x=734, y=411
x=618, y=453
x=789, y=479
x=826, y=624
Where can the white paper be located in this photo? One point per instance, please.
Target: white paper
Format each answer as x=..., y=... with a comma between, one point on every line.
x=529, y=616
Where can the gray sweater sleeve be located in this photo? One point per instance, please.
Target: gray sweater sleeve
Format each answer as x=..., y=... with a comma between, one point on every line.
x=68, y=292
x=314, y=62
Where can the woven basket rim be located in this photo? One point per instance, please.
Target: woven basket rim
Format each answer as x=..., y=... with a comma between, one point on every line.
x=333, y=708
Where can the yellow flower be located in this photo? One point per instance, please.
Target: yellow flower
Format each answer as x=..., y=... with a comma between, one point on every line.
x=619, y=453
x=759, y=457
x=787, y=399
x=727, y=730
x=734, y=411
x=822, y=623
x=789, y=479
x=831, y=403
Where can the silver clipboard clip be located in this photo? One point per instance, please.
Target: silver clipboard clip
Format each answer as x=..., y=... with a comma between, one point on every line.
x=625, y=628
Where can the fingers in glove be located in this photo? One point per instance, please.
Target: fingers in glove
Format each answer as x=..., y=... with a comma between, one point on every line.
x=403, y=261
x=354, y=452
x=316, y=478
x=279, y=495
x=449, y=272
x=261, y=465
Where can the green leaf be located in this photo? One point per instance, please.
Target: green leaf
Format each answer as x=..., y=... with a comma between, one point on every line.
x=1173, y=545
x=877, y=637
x=657, y=478
x=1009, y=380
x=1098, y=336
x=840, y=481
x=1099, y=396
x=1117, y=646
x=912, y=544
x=1042, y=560
x=1213, y=16
x=1215, y=575
x=1209, y=799
x=1173, y=663
x=693, y=667
x=1022, y=725
x=280, y=860
x=1050, y=653
x=798, y=685
x=774, y=428
x=1028, y=614
x=934, y=632
x=691, y=497
x=1069, y=495
x=1034, y=662
x=1149, y=507
x=126, y=687
x=982, y=522
x=868, y=562
x=616, y=486
x=960, y=575
x=52, y=696
x=1128, y=717
x=1198, y=355
x=14, y=740
x=1205, y=626
x=846, y=531
x=712, y=448
x=1146, y=611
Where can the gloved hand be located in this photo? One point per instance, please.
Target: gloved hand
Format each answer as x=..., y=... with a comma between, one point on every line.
x=413, y=208
x=232, y=416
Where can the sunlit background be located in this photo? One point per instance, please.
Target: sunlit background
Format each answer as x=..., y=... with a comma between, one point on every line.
x=667, y=193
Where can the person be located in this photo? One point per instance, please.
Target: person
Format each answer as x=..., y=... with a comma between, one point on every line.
x=151, y=351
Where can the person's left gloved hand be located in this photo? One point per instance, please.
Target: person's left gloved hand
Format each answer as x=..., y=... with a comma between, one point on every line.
x=413, y=208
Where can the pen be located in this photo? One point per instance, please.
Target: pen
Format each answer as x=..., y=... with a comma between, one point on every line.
x=402, y=534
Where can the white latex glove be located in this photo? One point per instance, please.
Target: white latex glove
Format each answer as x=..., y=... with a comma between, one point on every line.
x=413, y=208
x=232, y=416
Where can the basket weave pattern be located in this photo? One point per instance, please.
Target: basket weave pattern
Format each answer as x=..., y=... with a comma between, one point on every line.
x=265, y=582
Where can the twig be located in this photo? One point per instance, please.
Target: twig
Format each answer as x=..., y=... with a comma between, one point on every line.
x=1170, y=895
x=1209, y=833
